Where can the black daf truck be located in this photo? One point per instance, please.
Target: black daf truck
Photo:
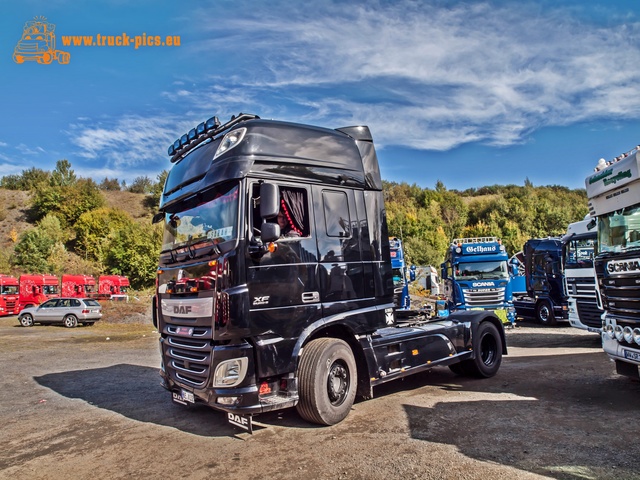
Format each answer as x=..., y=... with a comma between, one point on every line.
x=275, y=285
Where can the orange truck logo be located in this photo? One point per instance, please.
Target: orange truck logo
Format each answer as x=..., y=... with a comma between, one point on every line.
x=38, y=43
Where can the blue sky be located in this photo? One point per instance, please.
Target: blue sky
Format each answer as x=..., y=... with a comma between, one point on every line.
x=470, y=93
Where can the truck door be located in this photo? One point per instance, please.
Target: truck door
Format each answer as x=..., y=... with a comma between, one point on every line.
x=283, y=288
x=338, y=231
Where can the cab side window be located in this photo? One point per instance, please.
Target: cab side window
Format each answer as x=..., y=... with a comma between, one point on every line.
x=336, y=214
x=293, y=216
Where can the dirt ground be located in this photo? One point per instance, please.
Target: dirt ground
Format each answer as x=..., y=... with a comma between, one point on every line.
x=87, y=403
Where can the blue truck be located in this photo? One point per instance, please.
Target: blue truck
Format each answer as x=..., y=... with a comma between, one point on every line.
x=545, y=298
x=476, y=277
x=402, y=276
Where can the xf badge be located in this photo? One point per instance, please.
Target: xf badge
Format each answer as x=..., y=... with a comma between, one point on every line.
x=264, y=300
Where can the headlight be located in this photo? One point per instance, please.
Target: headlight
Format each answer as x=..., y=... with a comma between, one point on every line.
x=627, y=334
x=636, y=335
x=230, y=140
x=230, y=372
x=617, y=331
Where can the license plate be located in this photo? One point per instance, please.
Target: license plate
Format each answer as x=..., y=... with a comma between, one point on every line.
x=631, y=355
x=183, y=397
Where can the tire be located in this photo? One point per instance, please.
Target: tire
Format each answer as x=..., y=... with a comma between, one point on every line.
x=327, y=378
x=487, y=345
x=70, y=321
x=26, y=320
x=544, y=313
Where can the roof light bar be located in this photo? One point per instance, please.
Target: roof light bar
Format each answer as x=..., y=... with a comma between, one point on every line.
x=602, y=163
x=207, y=130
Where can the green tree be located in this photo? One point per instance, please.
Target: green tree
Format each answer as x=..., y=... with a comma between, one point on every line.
x=94, y=228
x=32, y=251
x=66, y=202
x=141, y=185
x=133, y=251
x=110, y=185
x=63, y=175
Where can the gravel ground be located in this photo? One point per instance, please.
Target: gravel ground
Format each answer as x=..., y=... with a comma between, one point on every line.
x=87, y=403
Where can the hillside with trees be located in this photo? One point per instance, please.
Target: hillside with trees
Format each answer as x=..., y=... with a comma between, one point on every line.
x=56, y=222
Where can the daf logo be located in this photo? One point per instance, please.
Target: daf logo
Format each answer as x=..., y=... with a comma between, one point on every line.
x=182, y=309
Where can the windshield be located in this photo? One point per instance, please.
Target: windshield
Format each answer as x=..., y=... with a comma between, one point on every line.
x=211, y=218
x=494, y=270
x=580, y=253
x=619, y=231
x=10, y=289
x=50, y=289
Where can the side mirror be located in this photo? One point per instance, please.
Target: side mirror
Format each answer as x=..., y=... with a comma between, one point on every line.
x=269, y=201
x=158, y=217
x=270, y=232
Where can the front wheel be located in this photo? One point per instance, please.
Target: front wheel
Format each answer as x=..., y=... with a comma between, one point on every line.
x=544, y=313
x=487, y=345
x=26, y=320
x=70, y=321
x=327, y=378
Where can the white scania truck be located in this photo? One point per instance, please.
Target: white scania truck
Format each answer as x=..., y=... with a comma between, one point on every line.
x=614, y=200
x=579, y=277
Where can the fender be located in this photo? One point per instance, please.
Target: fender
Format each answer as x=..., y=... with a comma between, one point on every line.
x=475, y=317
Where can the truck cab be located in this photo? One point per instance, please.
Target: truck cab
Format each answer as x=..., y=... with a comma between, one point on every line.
x=545, y=297
x=113, y=287
x=37, y=288
x=275, y=282
x=79, y=286
x=476, y=276
x=9, y=295
x=579, y=246
x=613, y=191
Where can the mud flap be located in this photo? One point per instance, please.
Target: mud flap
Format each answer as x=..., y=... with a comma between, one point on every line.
x=242, y=421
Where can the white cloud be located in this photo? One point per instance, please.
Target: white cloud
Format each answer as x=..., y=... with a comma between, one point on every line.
x=127, y=142
x=466, y=72
x=426, y=75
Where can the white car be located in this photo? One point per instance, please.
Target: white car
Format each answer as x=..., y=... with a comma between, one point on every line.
x=68, y=311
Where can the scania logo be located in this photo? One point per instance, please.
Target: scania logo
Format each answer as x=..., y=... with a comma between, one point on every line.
x=482, y=284
x=624, y=266
x=182, y=309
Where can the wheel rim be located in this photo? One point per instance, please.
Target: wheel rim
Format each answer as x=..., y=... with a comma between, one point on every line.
x=544, y=313
x=68, y=322
x=489, y=350
x=338, y=383
x=27, y=321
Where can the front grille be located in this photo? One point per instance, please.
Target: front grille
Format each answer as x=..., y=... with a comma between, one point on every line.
x=623, y=297
x=188, y=357
x=581, y=287
x=589, y=312
x=484, y=297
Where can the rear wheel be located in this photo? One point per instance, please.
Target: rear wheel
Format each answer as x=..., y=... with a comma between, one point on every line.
x=327, y=381
x=544, y=313
x=487, y=345
x=26, y=320
x=70, y=321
